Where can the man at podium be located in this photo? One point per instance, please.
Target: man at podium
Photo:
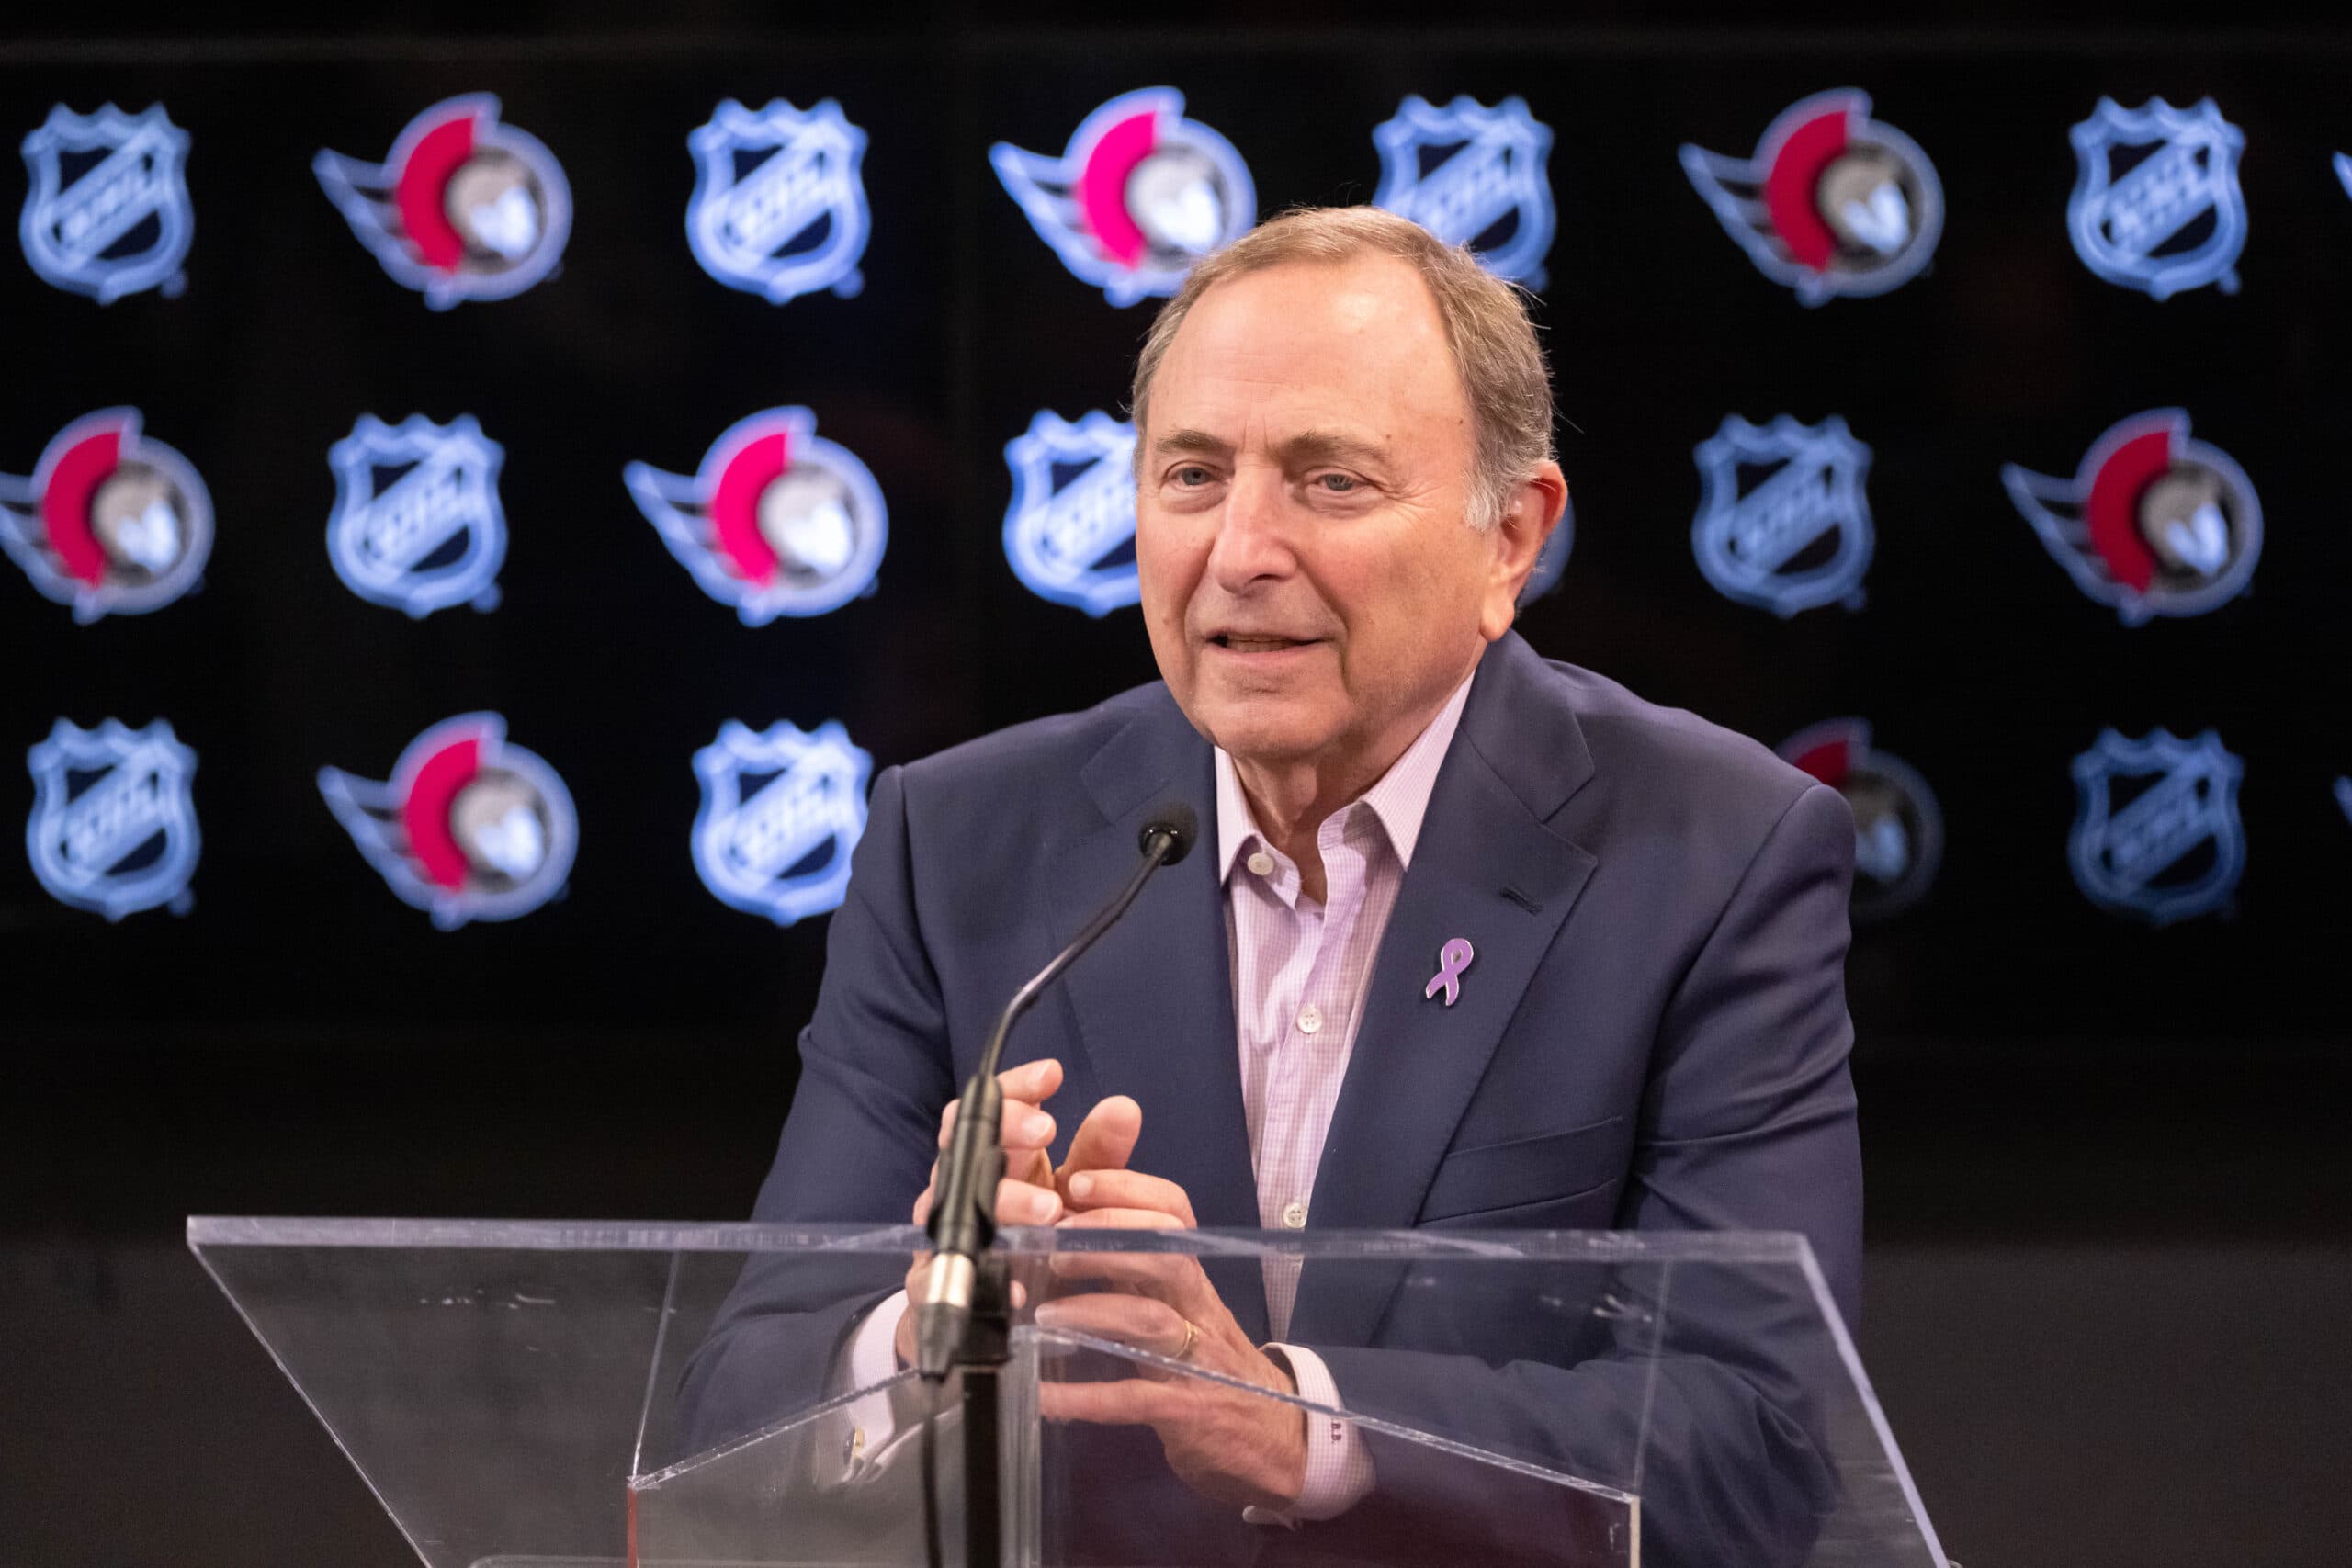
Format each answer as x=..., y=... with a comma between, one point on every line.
x=1472, y=938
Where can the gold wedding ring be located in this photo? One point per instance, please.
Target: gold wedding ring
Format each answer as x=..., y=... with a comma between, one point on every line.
x=1191, y=1334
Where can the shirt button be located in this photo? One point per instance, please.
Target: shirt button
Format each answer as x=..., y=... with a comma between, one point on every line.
x=1294, y=1214
x=1261, y=864
x=1310, y=1018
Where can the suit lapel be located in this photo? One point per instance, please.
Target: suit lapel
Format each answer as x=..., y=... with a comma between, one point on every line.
x=1486, y=870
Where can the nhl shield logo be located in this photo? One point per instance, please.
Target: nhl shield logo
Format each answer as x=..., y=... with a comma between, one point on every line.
x=782, y=809
x=113, y=828
x=2156, y=205
x=2152, y=522
x=1474, y=177
x=777, y=521
x=416, y=523
x=1898, y=828
x=1138, y=195
x=110, y=521
x=1783, y=520
x=2156, y=832
x=117, y=222
x=464, y=206
x=1070, y=531
x=1832, y=202
x=469, y=827
x=779, y=206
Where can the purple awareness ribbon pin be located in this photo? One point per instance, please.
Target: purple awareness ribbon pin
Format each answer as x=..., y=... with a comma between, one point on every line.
x=1452, y=960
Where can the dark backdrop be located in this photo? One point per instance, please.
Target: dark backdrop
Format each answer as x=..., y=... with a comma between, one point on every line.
x=2044, y=1082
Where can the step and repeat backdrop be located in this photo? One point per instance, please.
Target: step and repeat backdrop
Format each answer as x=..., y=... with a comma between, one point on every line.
x=476, y=521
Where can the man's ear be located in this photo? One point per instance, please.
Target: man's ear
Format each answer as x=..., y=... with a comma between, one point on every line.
x=1536, y=506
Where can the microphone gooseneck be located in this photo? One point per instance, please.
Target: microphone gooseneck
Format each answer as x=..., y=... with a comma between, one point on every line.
x=962, y=1214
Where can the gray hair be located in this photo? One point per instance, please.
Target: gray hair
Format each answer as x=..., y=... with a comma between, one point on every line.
x=1503, y=373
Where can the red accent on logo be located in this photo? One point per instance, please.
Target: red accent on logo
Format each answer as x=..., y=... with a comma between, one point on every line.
x=65, y=502
x=1831, y=761
x=425, y=811
x=735, y=507
x=1103, y=188
x=2112, y=508
x=422, y=190
x=1793, y=186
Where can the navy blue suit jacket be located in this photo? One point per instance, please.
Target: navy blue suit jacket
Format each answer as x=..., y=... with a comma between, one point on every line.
x=1652, y=1034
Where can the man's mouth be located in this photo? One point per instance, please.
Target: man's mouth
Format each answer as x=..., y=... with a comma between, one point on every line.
x=1239, y=643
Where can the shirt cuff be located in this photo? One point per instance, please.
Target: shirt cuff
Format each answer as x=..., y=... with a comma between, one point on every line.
x=877, y=1428
x=1339, y=1468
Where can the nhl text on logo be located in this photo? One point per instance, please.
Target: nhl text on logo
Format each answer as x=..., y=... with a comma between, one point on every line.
x=1138, y=196
x=2152, y=522
x=110, y=522
x=113, y=828
x=469, y=827
x=1474, y=177
x=118, y=220
x=2156, y=205
x=1833, y=202
x=417, y=524
x=777, y=521
x=779, y=206
x=463, y=207
x=1070, y=531
x=782, y=809
x=1898, y=828
x=2157, y=831
x=1783, y=522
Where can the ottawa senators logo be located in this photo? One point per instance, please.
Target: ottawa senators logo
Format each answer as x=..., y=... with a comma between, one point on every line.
x=1137, y=196
x=111, y=521
x=1832, y=203
x=2152, y=522
x=777, y=521
x=1898, y=829
x=469, y=827
x=462, y=208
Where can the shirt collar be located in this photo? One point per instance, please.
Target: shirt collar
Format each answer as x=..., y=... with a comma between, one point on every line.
x=1400, y=799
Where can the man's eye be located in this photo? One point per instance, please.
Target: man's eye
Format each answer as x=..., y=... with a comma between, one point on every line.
x=1192, y=476
x=1339, y=484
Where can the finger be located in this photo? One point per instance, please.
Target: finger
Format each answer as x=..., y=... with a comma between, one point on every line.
x=1034, y=1082
x=1106, y=1139
x=1022, y=1129
x=1124, y=1220
x=1130, y=1402
x=1129, y=1190
x=1172, y=1276
x=1022, y=1203
x=1137, y=1321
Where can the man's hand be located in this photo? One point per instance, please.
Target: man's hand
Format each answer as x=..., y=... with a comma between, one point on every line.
x=1223, y=1444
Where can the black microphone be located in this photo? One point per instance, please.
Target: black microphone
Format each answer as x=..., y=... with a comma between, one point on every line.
x=963, y=1217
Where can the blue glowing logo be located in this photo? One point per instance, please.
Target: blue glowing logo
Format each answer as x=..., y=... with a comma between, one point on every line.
x=779, y=206
x=1898, y=828
x=121, y=222
x=2156, y=832
x=2344, y=171
x=113, y=828
x=1070, y=531
x=775, y=522
x=1472, y=175
x=1138, y=196
x=2128, y=226
x=781, y=811
x=469, y=827
x=416, y=522
x=110, y=521
x=2152, y=522
x=1783, y=520
x=1832, y=203
x=2343, y=796
x=464, y=206
x=1552, y=560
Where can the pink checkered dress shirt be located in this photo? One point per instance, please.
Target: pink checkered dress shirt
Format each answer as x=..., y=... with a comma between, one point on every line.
x=1300, y=971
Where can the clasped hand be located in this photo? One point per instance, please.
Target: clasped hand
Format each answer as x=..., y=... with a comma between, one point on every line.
x=1223, y=1444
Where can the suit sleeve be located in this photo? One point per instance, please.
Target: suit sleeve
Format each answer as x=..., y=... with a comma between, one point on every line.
x=1748, y=1123
x=857, y=1146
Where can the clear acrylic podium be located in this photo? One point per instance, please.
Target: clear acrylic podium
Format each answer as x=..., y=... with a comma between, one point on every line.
x=531, y=1396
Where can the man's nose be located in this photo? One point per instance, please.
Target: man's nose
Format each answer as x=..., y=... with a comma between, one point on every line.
x=1253, y=536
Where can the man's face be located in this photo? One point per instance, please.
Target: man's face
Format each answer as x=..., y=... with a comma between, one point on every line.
x=1311, y=586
